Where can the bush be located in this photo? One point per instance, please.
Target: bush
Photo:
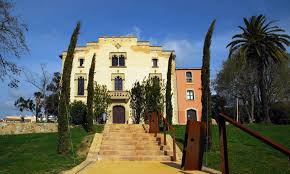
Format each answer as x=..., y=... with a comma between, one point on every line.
x=78, y=112
x=280, y=113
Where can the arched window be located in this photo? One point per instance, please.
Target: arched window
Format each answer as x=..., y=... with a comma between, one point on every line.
x=118, y=84
x=188, y=77
x=121, y=60
x=114, y=60
x=191, y=114
x=81, y=86
x=155, y=79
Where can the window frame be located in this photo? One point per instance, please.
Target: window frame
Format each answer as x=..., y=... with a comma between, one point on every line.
x=81, y=90
x=81, y=62
x=118, y=83
x=188, y=96
x=153, y=61
x=188, y=78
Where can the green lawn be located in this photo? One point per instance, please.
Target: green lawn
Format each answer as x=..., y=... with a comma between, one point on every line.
x=247, y=154
x=36, y=153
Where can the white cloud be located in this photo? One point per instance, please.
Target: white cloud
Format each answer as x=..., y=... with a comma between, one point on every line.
x=136, y=31
x=187, y=52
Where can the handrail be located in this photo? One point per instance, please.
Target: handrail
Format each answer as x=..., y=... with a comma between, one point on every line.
x=221, y=119
x=169, y=127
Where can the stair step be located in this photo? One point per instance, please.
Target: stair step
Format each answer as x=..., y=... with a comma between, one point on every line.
x=129, y=147
x=131, y=152
x=116, y=142
x=130, y=142
x=135, y=158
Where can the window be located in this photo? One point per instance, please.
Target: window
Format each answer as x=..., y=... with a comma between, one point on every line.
x=118, y=83
x=188, y=77
x=189, y=95
x=121, y=60
x=81, y=86
x=114, y=60
x=155, y=79
x=81, y=62
x=155, y=62
x=118, y=59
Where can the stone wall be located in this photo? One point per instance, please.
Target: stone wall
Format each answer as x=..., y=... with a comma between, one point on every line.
x=24, y=128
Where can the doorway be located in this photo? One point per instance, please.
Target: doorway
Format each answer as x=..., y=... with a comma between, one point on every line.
x=118, y=114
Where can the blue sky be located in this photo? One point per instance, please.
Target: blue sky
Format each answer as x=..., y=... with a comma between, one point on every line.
x=180, y=25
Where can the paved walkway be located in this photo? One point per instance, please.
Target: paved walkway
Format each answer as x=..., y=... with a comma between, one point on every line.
x=135, y=167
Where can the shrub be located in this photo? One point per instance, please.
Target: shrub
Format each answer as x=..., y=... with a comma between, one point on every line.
x=78, y=112
x=280, y=113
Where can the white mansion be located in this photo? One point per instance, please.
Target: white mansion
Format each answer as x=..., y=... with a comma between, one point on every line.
x=120, y=62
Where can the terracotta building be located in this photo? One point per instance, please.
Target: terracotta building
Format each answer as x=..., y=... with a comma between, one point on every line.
x=188, y=84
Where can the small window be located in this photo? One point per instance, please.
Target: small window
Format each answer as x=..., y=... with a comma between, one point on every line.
x=155, y=62
x=121, y=60
x=81, y=62
x=114, y=60
x=118, y=84
x=189, y=95
x=81, y=86
x=188, y=77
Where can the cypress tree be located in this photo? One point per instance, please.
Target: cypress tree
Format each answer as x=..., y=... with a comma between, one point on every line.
x=168, y=91
x=90, y=97
x=63, y=129
x=205, y=83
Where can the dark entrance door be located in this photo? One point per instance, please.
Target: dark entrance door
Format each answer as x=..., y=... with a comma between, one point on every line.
x=118, y=114
x=191, y=114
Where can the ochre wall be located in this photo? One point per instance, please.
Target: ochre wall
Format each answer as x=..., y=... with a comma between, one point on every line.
x=182, y=103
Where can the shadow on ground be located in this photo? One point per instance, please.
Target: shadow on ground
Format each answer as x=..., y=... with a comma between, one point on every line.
x=175, y=165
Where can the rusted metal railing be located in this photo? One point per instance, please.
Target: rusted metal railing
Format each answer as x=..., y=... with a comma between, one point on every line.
x=221, y=119
x=167, y=127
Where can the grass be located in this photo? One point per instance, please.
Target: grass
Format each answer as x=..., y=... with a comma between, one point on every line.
x=247, y=154
x=36, y=153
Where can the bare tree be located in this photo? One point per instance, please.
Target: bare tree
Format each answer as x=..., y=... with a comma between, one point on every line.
x=40, y=82
x=12, y=42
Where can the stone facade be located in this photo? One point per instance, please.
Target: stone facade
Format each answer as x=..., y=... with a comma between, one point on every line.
x=120, y=62
x=25, y=128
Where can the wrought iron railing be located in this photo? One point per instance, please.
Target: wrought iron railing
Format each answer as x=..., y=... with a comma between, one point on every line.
x=221, y=120
x=168, y=128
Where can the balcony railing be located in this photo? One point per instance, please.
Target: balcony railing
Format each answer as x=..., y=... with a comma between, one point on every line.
x=119, y=95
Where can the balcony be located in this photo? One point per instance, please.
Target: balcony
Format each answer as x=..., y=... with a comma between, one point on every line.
x=119, y=95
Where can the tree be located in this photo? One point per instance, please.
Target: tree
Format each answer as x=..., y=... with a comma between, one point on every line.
x=260, y=42
x=38, y=104
x=237, y=79
x=154, y=96
x=205, y=83
x=168, y=91
x=12, y=42
x=137, y=101
x=63, y=127
x=102, y=100
x=25, y=104
x=52, y=100
x=40, y=82
x=78, y=112
x=29, y=105
x=90, y=97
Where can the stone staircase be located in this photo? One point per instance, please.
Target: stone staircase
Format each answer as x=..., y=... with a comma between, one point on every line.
x=130, y=142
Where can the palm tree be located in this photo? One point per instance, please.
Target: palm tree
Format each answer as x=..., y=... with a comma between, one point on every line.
x=261, y=43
